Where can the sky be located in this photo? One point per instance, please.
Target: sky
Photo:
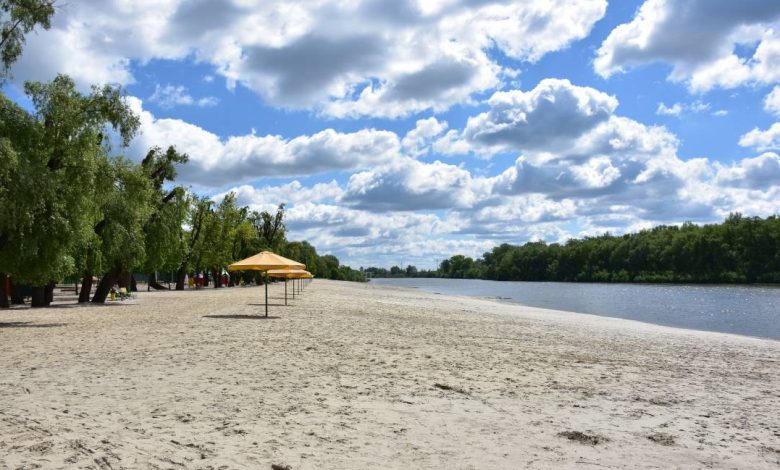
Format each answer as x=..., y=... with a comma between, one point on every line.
x=407, y=131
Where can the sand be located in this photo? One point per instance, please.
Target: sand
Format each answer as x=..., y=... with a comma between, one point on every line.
x=363, y=376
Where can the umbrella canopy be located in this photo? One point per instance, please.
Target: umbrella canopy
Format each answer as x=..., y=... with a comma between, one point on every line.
x=264, y=261
x=288, y=273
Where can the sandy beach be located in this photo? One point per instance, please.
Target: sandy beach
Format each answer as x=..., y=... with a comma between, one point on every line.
x=363, y=376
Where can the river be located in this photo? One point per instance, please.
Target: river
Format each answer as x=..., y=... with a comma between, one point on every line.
x=744, y=310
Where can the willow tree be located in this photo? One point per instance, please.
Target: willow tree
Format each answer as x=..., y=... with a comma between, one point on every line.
x=197, y=212
x=20, y=143
x=17, y=18
x=270, y=229
x=226, y=226
x=115, y=243
x=58, y=150
x=164, y=232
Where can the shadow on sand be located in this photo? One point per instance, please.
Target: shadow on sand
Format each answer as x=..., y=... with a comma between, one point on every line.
x=242, y=317
x=29, y=324
x=270, y=305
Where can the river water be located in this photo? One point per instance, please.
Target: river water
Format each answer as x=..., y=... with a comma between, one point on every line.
x=744, y=310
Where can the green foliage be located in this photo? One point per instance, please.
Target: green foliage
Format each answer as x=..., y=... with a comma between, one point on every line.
x=17, y=18
x=741, y=249
x=124, y=193
x=222, y=226
x=270, y=229
x=55, y=176
x=164, y=233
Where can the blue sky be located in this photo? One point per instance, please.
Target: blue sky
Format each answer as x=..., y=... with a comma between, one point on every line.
x=407, y=131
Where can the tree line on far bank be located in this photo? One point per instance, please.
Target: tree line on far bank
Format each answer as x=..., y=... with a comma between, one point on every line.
x=739, y=250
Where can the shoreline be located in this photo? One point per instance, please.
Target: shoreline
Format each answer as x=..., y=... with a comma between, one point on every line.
x=358, y=375
x=607, y=320
x=698, y=323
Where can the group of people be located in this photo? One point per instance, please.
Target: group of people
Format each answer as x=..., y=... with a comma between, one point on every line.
x=196, y=281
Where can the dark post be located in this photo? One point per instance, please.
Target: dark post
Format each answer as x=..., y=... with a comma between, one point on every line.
x=266, y=293
x=285, y=292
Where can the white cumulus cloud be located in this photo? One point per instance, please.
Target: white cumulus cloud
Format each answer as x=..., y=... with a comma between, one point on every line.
x=384, y=58
x=700, y=39
x=762, y=139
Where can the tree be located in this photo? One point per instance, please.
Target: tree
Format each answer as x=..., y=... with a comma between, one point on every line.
x=19, y=136
x=221, y=227
x=164, y=234
x=17, y=18
x=58, y=152
x=198, y=208
x=125, y=208
x=271, y=231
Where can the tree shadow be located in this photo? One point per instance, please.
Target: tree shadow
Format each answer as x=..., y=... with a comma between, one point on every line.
x=242, y=317
x=29, y=324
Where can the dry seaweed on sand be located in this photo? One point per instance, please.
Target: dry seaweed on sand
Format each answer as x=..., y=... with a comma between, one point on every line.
x=583, y=438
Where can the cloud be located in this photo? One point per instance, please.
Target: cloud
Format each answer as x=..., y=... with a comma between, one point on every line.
x=674, y=110
x=95, y=42
x=417, y=141
x=170, y=96
x=363, y=238
x=762, y=140
x=699, y=38
x=269, y=197
x=761, y=172
x=772, y=101
x=409, y=185
x=547, y=117
x=215, y=162
x=679, y=108
x=385, y=58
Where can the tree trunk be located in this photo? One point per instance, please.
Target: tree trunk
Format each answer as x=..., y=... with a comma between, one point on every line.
x=133, y=284
x=123, y=280
x=104, y=287
x=180, y=274
x=50, y=292
x=86, y=288
x=17, y=296
x=4, y=291
x=154, y=284
x=217, y=278
x=39, y=296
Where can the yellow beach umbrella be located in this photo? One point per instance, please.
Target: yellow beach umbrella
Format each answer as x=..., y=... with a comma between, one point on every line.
x=265, y=261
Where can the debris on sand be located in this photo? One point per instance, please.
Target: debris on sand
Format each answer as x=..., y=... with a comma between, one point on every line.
x=280, y=466
x=582, y=438
x=450, y=388
x=662, y=438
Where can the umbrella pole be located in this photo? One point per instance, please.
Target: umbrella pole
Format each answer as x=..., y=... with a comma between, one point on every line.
x=285, y=292
x=266, y=294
